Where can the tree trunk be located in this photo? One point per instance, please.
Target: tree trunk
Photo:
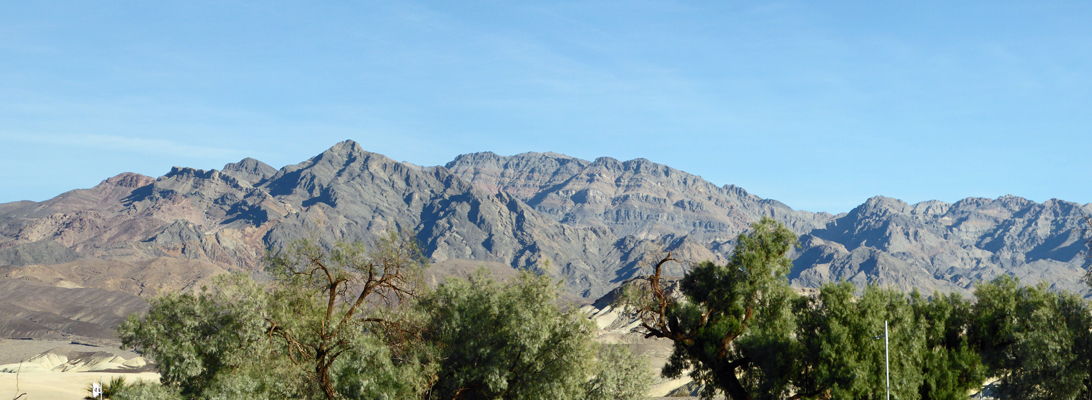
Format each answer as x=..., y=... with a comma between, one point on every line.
x=733, y=388
x=322, y=372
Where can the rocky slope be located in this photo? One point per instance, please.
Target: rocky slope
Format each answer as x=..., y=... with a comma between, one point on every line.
x=631, y=198
x=929, y=246
x=949, y=247
x=37, y=311
x=214, y=221
x=594, y=223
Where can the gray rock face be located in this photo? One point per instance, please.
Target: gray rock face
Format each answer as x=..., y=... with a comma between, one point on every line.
x=230, y=217
x=948, y=247
x=40, y=252
x=930, y=246
x=631, y=198
x=249, y=170
x=349, y=193
x=594, y=223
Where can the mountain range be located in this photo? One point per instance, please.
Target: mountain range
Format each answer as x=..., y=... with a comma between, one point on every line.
x=592, y=224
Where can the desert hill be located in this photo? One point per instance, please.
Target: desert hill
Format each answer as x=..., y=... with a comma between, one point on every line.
x=931, y=245
x=949, y=247
x=593, y=223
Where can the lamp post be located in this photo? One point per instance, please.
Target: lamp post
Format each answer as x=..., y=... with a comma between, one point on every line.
x=886, y=358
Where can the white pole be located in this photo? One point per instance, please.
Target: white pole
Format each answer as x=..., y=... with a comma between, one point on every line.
x=887, y=359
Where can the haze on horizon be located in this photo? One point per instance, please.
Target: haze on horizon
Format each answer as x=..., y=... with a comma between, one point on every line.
x=820, y=106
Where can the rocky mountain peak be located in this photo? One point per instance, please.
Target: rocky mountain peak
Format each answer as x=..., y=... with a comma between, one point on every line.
x=177, y=171
x=644, y=166
x=129, y=180
x=344, y=161
x=480, y=159
x=972, y=203
x=931, y=208
x=1065, y=206
x=1014, y=203
x=593, y=220
x=249, y=170
x=738, y=191
x=346, y=147
x=349, y=152
x=199, y=177
x=880, y=206
x=608, y=162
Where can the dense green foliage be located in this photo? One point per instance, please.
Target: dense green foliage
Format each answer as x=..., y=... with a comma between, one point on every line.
x=734, y=320
x=327, y=306
x=510, y=341
x=619, y=374
x=951, y=367
x=203, y=342
x=741, y=332
x=1038, y=341
x=842, y=351
x=149, y=391
x=355, y=323
x=836, y=332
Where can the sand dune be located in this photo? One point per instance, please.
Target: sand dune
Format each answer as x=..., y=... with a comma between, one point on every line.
x=66, y=360
x=53, y=369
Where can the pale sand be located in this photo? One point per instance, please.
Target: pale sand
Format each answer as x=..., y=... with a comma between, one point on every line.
x=60, y=385
x=13, y=351
x=55, y=385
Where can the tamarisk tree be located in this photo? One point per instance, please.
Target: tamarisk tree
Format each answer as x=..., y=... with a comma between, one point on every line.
x=327, y=300
x=733, y=326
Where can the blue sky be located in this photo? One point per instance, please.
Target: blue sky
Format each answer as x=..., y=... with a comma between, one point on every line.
x=818, y=104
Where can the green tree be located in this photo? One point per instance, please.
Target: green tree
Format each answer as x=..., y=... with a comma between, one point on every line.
x=200, y=340
x=513, y=341
x=950, y=365
x=839, y=356
x=325, y=302
x=1036, y=340
x=377, y=368
x=733, y=320
x=618, y=374
x=332, y=324
x=149, y=391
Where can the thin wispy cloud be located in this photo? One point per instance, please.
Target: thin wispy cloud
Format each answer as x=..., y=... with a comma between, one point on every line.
x=140, y=146
x=904, y=100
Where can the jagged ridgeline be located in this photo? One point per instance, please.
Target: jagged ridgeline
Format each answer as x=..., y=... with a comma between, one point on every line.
x=593, y=222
